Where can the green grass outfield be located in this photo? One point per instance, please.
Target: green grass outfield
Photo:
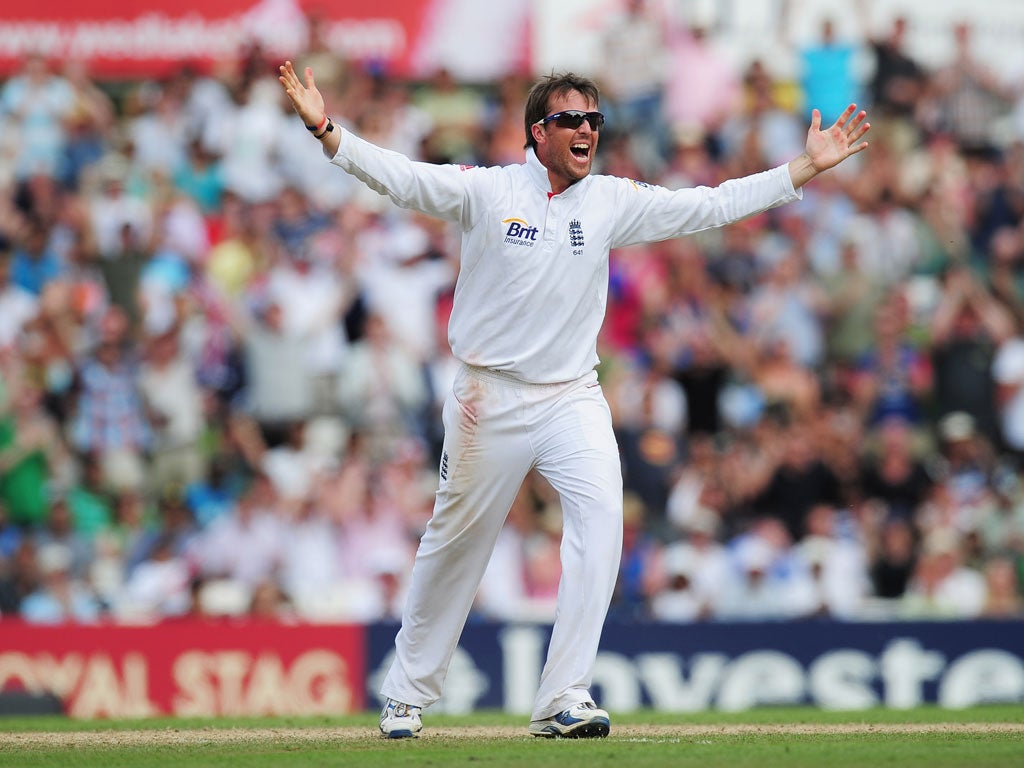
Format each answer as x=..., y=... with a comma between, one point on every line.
x=791, y=737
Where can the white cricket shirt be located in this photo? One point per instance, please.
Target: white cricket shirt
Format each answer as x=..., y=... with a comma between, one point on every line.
x=533, y=285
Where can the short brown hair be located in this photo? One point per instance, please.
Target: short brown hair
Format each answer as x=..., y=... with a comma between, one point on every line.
x=555, y=85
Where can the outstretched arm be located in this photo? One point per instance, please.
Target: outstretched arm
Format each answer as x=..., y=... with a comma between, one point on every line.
x=827, y=148
x=308, y=102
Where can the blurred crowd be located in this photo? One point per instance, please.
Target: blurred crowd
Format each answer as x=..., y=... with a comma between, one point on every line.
x=222, y=360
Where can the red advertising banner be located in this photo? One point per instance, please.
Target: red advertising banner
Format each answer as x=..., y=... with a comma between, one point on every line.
x=406, y=37
x=189, y=668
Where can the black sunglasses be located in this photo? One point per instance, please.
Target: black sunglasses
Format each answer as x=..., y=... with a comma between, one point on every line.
x=573, y=118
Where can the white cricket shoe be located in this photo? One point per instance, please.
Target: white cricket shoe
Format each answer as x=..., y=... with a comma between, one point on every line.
x=580, y=721
x=400, y=721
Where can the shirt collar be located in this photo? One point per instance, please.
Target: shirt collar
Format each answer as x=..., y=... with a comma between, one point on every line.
x=536, y=171
x=539, y=174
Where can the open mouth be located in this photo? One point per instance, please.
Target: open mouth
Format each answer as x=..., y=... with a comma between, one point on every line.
x=580, y=150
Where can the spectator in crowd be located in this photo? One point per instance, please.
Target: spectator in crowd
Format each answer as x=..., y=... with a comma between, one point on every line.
x=1003, y=600
x=33, y=457
x=851, y=298
x=967, y=327
x=504, y=145
x=897, y=84
x=650, y=408
x=1008, y=375
x=965, y=98
x=237, y=256
x=59, y=529
x=633, y=75
x=122, y=273
x=33, y=262
x=159, y=586
x=313, y=301
x=676, y=600
x=10, y=538
x=199, y=176
x=503, y=589
x=696, y=570
x=895, y=559
x=132, y=532
x=1005, y=257
x=57, y=338
x=89, y=123
x=110, y=419
x=245, y=544
x=407, y=263
x=382, y=390
x=837, y=562
x=637, y=578
x=248, y=165
x=280, y=388
x=89, y=499
x=159, y=135
x=37, y=102
x=763, y=133
x=312, y=569
x=270, y=603
x=942, y=586
x=17, y=304
x=61, y=597
x=829, y=73
x=892, y=473
x=117, y=215
x=455, y=112
x=686, y=331
x=798, y=483
x=19, y=576
x=767, y=581
x=698, y=104
x=895, y=378
x=173, y=402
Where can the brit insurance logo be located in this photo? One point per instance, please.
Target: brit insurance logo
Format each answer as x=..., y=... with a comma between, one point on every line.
x=519, y=232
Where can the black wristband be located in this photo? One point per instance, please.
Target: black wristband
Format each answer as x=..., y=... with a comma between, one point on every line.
x=328, y=129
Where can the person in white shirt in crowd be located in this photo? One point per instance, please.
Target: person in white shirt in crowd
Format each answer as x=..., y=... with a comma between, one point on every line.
x=768, y=582
x=313, y=301
x=159, y=587
x=247, y=137
x=1008, y=374
x=943, y=587
x=407, y=261
x=696, y=568
x=382, y=388
x=838, y=564
x=529, y=304
x=174, y=403
x=34, y=105
x=312, y=572
x=112, y=207
x=159, y=135
x=503, y=593
x=247, y=543
x=280, y=388
x=296, y=461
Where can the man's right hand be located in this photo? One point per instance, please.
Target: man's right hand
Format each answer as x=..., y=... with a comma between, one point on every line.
x=306, y=99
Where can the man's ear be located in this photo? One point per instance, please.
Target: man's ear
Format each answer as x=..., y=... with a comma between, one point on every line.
x=539, y=134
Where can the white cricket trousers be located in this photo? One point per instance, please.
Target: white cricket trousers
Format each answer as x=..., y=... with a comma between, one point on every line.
x=496, y=430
